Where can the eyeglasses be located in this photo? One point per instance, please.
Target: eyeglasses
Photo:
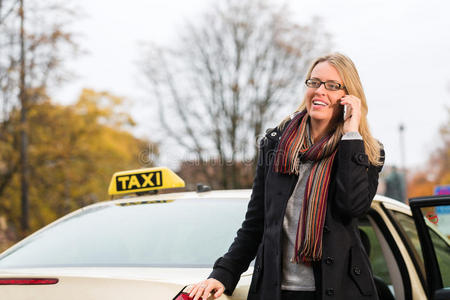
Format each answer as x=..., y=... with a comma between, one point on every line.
x=329, y=85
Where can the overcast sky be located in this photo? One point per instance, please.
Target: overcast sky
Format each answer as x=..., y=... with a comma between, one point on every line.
x=400, y=48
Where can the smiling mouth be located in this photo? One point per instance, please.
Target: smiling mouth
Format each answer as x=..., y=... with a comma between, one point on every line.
x=319, y=103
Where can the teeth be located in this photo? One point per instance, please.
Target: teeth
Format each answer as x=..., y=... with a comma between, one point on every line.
x=319, y=103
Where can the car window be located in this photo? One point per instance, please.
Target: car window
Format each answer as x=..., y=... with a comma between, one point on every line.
x=388, y=267
x=443, y=256
x=377, y=260
x=408, y=230
x=438, y=221
x=172, y=233
x=381, y=259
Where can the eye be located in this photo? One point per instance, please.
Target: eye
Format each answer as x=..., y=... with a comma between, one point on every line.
x=313, y=83
x=331, y=85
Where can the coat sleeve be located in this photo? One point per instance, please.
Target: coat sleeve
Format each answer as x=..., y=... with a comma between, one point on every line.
x=228, y=269
x=356, y=179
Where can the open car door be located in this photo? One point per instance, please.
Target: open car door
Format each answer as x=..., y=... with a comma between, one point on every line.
x=432, y=219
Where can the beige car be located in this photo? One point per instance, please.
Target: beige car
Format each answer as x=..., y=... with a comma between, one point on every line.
x=409, y=247
x=152, y=246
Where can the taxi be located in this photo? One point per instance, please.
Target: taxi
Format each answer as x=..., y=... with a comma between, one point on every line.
x=151, y=246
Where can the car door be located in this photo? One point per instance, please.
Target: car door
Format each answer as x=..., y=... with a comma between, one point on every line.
x=432, y=218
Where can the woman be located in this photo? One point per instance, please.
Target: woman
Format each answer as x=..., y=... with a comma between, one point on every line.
x=317, y=173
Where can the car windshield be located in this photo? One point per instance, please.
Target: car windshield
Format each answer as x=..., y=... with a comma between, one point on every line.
x=171, y=233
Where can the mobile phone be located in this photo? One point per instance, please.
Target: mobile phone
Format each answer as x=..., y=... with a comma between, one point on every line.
x=344, y=113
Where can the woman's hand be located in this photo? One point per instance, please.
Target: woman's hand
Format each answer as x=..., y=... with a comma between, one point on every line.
x=204, y=288
x=353, y=115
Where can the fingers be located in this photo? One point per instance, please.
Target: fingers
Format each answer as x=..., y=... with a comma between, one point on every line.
x=193, y=290
x=203, y=289
x=207, y=291
x=353, y=116
x=198, y=290
x=219, y=292
x=214, y=286
x=352, y=102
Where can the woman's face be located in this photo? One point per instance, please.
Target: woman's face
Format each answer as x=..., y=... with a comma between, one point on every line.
x=323, y=105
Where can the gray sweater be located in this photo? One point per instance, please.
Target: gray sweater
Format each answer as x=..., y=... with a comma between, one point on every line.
x=298, y=277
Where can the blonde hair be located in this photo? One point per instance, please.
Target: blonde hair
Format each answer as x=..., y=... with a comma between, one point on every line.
x=353, y=86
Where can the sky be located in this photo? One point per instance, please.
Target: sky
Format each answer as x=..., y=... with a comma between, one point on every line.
x=400, y=48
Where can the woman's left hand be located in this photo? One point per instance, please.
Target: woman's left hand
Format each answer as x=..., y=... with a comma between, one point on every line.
x=353, y=116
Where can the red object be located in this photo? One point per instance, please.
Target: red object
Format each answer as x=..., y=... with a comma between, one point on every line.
x=28, y=281
x=183, y=296
x=433, y=218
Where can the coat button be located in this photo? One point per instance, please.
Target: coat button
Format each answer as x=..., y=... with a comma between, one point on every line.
x=329, y=292
x=326, y=229
x=356, y=270
x=273, y=133
x=329, y=260
x=258, y=268
x=361, y=159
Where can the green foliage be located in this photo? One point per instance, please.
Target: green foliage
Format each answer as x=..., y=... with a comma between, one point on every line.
x=73, y=152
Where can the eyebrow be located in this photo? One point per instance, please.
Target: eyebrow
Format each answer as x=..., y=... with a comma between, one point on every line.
x=327, y=80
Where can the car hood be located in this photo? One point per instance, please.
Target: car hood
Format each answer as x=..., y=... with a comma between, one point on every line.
x=110, y=283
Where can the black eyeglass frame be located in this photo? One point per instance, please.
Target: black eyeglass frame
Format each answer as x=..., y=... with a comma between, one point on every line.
x=340, y=86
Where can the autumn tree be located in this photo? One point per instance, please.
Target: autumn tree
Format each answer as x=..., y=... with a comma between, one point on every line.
x=437, y=169
x=238, y=69
x=33, y=44
x=74, y=150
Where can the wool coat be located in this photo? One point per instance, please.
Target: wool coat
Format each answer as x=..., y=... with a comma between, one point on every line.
x=344, y=271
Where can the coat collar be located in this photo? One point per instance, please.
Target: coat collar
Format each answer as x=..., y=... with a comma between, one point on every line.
x=274, y=134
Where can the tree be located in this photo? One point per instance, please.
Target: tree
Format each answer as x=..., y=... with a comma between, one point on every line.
x=74, y=150
x=234, y=72
x=437, y=169
x=32, y=40
x=195, y=173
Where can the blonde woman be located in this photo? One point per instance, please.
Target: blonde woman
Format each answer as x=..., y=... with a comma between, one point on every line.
x=317, y=173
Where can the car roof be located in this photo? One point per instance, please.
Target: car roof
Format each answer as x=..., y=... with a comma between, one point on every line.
x=392, y=204
x=217, y=194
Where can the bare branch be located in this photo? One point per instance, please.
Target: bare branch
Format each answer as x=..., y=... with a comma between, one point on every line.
x=231, y=75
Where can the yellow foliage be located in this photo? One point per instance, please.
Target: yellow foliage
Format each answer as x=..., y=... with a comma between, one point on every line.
x=73, y=152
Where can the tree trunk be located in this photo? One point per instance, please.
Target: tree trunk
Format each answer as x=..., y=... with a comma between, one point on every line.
x=23, y=125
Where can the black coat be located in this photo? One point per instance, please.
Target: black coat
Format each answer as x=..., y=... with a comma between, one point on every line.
x=344, y=271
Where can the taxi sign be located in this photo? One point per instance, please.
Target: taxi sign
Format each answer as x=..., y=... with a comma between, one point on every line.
x=143, y=180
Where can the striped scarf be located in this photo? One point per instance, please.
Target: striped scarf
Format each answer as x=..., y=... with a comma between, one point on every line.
x=295, y=146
